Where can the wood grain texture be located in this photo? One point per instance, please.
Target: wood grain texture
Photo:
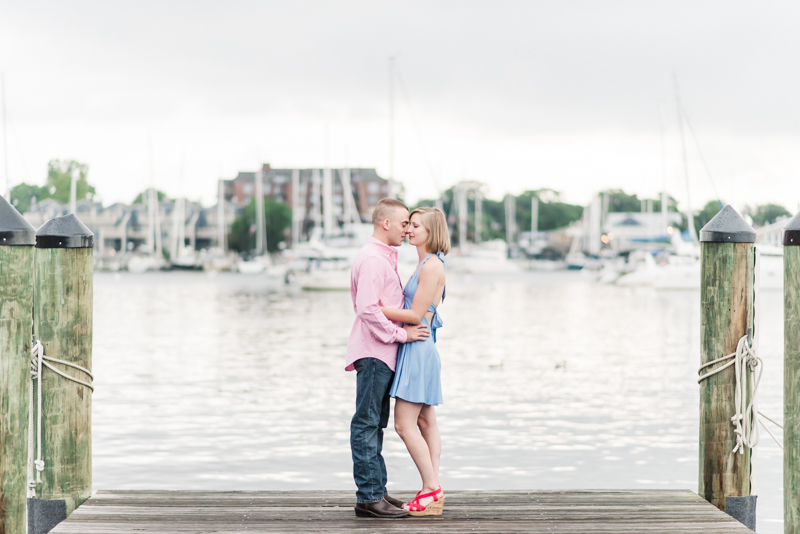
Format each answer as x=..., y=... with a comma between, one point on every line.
x=63, y=323
x=791, y=390
x=659, y=511
x=726, y=299
x=16, y=303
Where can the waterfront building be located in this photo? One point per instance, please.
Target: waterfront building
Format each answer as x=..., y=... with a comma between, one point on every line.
x=365, y=188
x=123, y=227
x=632, y=230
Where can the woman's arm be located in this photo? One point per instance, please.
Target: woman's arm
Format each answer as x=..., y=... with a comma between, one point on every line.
x=426, y=291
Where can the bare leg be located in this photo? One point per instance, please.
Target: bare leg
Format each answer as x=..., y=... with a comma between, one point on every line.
x=406, y=416
x=430, y=433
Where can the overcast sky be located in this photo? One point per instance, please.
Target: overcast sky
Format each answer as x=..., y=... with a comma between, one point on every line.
x=520, y=95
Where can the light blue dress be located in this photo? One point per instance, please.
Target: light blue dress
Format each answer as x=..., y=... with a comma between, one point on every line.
x=418, y=372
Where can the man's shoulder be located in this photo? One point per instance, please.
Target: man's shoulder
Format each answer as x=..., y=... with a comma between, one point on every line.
x=368, y=255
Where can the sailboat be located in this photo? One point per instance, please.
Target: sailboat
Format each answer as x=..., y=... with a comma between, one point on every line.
x=217, y=258
x=149, y=258
x=261, y=261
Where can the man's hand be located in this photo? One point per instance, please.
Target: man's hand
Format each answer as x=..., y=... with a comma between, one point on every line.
x=416, y=332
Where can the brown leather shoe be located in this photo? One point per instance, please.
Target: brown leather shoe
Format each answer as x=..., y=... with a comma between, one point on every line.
x=380, y=509
x=394, y=502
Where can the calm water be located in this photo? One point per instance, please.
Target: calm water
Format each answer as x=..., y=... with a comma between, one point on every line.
x=550, y=381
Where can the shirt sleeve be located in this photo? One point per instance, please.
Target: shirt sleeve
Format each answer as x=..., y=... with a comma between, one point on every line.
x=369, y=289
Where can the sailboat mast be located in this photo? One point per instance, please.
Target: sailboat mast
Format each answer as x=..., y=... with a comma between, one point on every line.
x=391, y=127
x=73, y=190
x=7, y=191
x=221, y=215
x=478, y=215
x=260, y=248
x=297, y=217
x=689, y=216
x=151, y=213
x=664, y=196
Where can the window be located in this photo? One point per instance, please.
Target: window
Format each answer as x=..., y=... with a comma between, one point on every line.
x=247, y=189
x=373, y=188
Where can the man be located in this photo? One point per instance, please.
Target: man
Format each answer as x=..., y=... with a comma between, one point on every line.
x=372, y=353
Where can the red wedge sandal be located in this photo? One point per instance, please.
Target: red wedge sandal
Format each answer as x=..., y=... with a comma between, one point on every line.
x=435, y=507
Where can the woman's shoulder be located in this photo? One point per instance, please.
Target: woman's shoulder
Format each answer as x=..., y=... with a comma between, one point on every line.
x=433, y=265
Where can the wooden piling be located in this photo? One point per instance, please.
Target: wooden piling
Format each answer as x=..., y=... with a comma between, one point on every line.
x=791, y=377
x=726, y=299
x=62, y=321
x=17, y=238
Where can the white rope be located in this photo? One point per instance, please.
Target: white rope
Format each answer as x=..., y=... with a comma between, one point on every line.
x=770, y=433
x=745, y=419
x=38, y=361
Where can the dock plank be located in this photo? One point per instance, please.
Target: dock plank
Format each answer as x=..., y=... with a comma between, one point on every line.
x=579, y=512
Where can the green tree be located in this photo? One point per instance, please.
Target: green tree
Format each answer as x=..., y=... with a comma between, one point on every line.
x=57, y=186
x=620, y=201
x=768, y=213
x=278, y=217
x=552, y=212
x=22, y=195
x=711, y=208
x=160, y=195
x=59, y=178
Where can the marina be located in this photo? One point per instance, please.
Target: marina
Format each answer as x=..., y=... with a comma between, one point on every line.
x=204, y=230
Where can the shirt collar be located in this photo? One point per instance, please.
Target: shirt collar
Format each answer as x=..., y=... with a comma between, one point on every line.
x=384, y=249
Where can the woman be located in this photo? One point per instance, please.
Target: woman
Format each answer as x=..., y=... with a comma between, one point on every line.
x=417, y=386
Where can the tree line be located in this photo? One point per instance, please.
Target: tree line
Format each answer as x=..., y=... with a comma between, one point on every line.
x=553, y=212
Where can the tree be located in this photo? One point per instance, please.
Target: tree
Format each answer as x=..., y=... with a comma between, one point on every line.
x=57, y=186
x=278, y=217
x=552, y=212
x=59, y=179
x=620, y=201
x=711, y=208
x=768, y=213
x=141, y=197
x=22, y=195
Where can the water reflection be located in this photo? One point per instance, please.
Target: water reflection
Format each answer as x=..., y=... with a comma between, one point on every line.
x=550, y=381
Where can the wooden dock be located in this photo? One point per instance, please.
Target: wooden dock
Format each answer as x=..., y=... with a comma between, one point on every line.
x=651, y=511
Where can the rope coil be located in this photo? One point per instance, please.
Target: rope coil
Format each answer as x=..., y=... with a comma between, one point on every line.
x=745, y=419
x=38, y=362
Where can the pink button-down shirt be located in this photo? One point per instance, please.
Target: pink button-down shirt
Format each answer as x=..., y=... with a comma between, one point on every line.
x=374, y=282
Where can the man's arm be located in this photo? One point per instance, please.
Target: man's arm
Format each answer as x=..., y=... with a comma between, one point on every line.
x=368, y=293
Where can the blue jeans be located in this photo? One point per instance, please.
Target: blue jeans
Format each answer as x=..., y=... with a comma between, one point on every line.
x=366, y=429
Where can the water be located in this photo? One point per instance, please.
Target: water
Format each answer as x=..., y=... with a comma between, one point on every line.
x=550, y=381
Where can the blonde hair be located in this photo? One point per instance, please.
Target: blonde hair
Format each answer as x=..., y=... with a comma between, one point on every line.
x=384, y=207
x=435, y=223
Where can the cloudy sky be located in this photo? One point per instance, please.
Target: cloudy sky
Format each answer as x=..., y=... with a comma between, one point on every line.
x=518, y=94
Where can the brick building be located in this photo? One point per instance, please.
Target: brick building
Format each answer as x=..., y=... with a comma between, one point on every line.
x=366, y=189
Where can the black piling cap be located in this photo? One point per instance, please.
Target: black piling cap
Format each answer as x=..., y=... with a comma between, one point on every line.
x=14, y=229
x=791, y=232
x=727, y=226
x=64, y=232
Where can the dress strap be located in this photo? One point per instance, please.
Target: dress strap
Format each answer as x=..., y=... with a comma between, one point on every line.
x=439, y=255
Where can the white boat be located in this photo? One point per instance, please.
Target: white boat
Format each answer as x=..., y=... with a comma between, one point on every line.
x=326, y=280
x=683, y=272
x=140, y=263
x=186, y=260
x=255, y=265
x=489, y=257
x=216, y=259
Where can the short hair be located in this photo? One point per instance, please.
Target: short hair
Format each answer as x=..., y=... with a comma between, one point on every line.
x=435, y=223
x=384, y=206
